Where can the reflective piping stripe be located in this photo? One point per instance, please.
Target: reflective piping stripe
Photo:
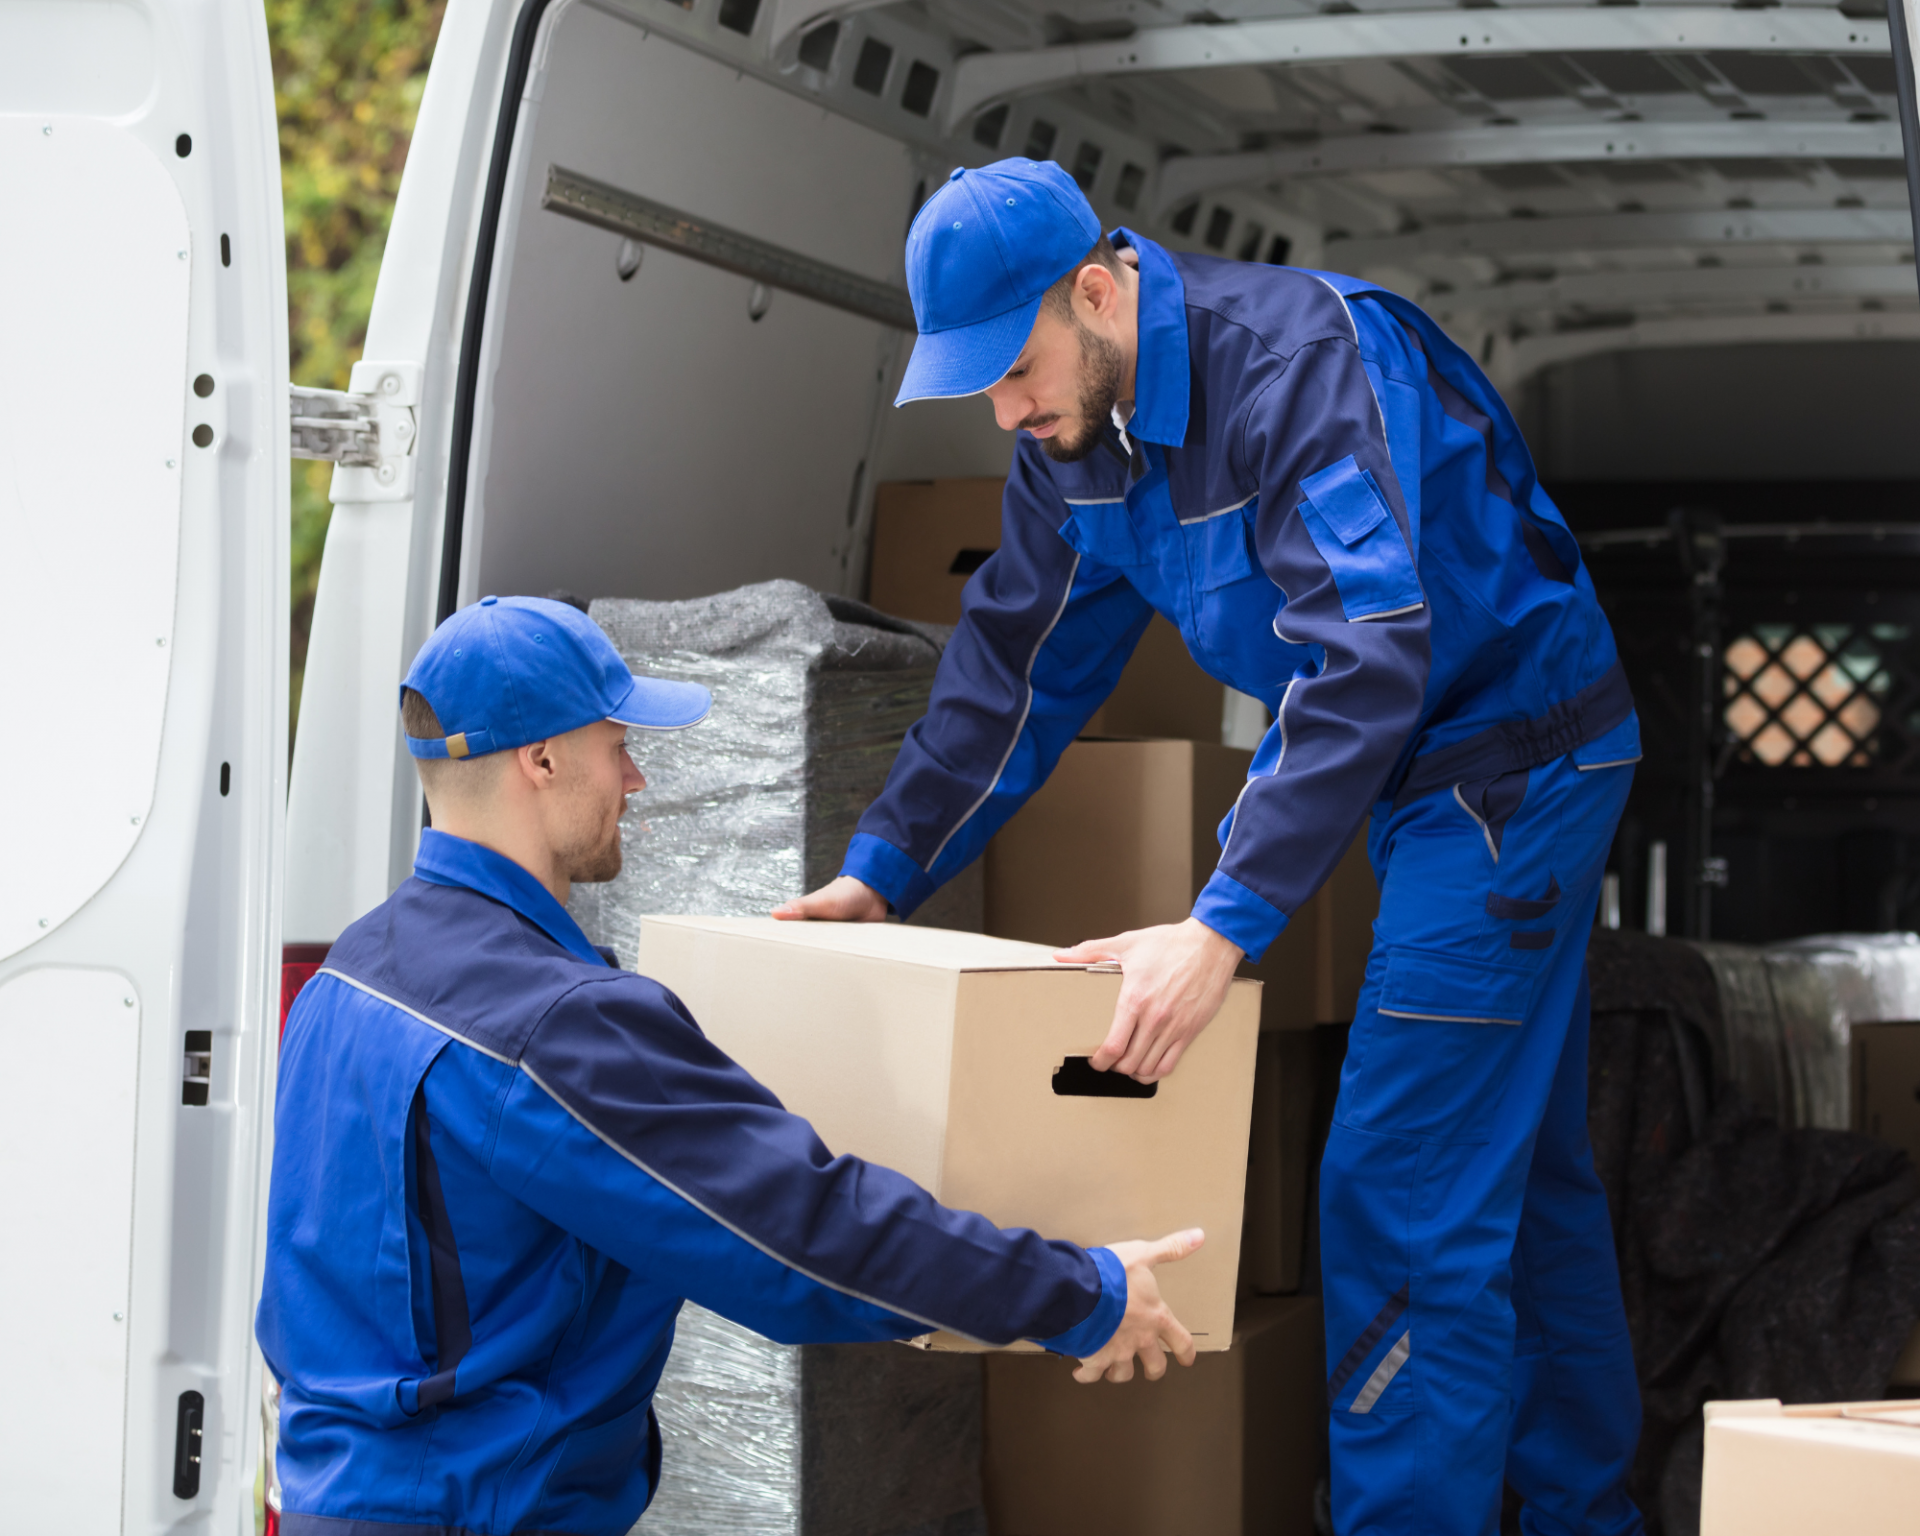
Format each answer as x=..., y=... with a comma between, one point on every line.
x=1485, y=830
x=1363, y=1346
x=1449, y=1018
x=1348, y=308
x=1383, y=1374
x=746, y=1237
x=1096, y=501
x=1207, y=517
x=412, y=1013
x=1279, y=719
x=1391, y=613
x=1618, y=762
x=1020, y=726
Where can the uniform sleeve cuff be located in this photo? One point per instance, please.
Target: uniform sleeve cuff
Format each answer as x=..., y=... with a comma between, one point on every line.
x=879, y=864
x=1090, y=1335
x=1234, y=912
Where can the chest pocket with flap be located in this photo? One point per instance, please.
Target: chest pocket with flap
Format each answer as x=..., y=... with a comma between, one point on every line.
x=1357, y=536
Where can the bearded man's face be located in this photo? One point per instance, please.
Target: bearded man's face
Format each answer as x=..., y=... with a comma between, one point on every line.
x=1063, y=387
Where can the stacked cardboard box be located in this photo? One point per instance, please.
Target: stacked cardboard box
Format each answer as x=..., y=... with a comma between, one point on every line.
x=1885, y=1097
x=1777, y=1471
x=1123, y=836
x=1885, y=1061
x=1228, y=1447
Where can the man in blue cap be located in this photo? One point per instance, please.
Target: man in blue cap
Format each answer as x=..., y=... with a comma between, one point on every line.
x=501, y=1163
x=1333, y=505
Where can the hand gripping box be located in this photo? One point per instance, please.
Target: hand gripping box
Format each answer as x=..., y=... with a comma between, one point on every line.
x=960, y=1060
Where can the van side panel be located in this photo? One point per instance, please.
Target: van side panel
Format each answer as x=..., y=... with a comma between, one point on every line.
x=649, y=437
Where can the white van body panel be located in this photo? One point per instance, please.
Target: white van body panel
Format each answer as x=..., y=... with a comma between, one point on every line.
x=143, y=599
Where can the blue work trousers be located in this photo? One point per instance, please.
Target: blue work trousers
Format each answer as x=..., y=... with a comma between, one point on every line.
x=1475, y=1331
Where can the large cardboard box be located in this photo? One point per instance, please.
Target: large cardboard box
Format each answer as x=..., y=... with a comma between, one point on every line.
x=1124, y=835
x=1230, y=1446
x=959, y=1060
x=929, y=536
x=1818, y=1467
x=1886, y=1083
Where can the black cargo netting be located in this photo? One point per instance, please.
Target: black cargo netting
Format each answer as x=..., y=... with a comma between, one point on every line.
x=1813, y=695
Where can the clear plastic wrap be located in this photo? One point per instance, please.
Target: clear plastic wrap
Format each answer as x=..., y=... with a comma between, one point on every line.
x=730, y=1419
x=1787, y=1013
x=811, y=699
x=765, y=1439
x=812, y=696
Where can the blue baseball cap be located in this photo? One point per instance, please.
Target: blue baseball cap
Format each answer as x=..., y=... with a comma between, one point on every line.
x=981, y=254
x=509, y=670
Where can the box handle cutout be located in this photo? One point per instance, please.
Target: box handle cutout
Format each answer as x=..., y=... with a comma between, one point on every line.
x=1075, y=1078
x=968, y=561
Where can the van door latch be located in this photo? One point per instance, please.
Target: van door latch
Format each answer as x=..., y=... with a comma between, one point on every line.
x=368, y=429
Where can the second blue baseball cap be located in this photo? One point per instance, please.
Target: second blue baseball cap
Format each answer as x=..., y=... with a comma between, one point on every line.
x=981, y=254
x=509, y=670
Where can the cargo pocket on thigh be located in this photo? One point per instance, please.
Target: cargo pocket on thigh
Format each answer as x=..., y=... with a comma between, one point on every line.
x=1439, y=1043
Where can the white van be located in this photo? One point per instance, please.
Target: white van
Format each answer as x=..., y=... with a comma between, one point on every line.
x=638, y=333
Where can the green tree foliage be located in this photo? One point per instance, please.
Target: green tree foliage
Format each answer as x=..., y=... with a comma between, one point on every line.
x=347, y=81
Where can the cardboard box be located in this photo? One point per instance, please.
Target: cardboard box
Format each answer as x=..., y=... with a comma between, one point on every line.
x=1840, y=1467
x=1886, y=1083
x=1124, y=835
x=951, y=1057
x=929, y=536
x=1230, y=1445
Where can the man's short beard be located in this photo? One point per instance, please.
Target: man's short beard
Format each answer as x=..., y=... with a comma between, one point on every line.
x=594, y=864
x=1100, y=375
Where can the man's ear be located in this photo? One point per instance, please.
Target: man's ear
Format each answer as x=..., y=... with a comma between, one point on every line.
x=536, y=764
x=1098, y=289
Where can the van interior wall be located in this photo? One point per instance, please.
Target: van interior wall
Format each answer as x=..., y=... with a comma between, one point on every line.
x=649, y=437
x=1813, y=411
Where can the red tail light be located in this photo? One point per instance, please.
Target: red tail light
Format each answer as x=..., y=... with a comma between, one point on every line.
x=298, y=963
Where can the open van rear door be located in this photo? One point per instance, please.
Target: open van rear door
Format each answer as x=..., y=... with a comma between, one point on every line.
x=143, y=686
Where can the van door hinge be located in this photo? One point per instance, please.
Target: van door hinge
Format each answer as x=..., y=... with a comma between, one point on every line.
x=368, y=429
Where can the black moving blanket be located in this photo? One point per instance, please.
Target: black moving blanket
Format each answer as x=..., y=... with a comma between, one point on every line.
x=1756, y=1261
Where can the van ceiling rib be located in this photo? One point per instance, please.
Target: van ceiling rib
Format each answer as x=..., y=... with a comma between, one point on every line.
x=1633, y=231
x=1514, y=361
x=1535, y=144
x=1641, y=289
x=1341, y=39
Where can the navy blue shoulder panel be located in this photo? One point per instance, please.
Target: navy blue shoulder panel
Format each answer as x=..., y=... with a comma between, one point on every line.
x=463, y=960
x=1283, y=308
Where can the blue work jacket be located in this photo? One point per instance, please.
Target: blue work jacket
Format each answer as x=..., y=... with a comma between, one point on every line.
x=1336, y=509
x=501, y=1163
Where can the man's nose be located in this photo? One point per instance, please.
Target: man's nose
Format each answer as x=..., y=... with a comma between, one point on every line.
x=1008, y=410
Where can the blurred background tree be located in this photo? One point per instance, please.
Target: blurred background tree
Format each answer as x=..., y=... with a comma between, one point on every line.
x=347, y=81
